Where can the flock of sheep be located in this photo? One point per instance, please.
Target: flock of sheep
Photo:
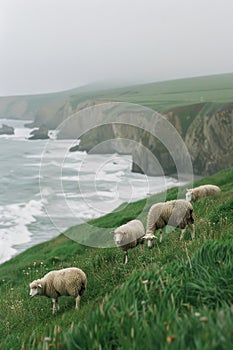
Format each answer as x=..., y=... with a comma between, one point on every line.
x=177, y=213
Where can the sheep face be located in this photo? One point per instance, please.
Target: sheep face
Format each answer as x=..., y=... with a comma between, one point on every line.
x=189, y=195
x=35, y=289
x=149, y=237
x=118, y=238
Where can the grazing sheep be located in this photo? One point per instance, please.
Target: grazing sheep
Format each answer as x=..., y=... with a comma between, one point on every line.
x=194, y=194
x=70, y=281
x=129, y=235
x=176, y=213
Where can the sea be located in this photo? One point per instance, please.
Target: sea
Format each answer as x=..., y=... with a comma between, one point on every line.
x=45, y=189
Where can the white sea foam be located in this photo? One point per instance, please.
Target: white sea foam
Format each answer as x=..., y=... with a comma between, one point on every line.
x=6, y=250
x=14, y=221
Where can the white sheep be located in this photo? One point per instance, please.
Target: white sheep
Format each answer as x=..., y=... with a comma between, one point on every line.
x=176, y=213
x=194, y=194
x=70, y=282
x=129, y=235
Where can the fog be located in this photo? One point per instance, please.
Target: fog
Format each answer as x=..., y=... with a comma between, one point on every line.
x=54, y=45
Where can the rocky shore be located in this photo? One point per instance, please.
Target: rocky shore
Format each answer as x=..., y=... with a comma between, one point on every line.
x=6, y=130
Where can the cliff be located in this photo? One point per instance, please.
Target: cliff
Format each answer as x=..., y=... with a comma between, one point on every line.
x=31, y=107
x=205, y=127
x=210, y=140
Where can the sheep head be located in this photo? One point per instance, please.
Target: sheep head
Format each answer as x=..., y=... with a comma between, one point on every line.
x=189, y=193
x=35, y=288
x=149, y=237
x=118, y=237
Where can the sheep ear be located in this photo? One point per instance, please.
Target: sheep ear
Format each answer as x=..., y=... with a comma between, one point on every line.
x=39, y=286
x=112, y=232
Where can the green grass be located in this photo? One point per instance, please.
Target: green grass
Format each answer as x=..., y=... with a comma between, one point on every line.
x=177, y=295
x=166, y=95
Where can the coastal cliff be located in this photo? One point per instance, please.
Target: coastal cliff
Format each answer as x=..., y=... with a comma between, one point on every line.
x=206, y=127
x=210, y=140
x=206, y=130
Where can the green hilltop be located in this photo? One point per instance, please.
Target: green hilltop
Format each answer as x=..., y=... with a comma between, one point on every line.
x=166, y=95
x=178, y=295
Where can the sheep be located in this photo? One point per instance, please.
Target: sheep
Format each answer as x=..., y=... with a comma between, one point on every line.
x=129, y=235
x=69, y=281
x=176, y=213
x=194, y=194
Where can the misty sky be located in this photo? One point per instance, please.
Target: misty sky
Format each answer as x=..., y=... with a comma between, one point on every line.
x=53, y=45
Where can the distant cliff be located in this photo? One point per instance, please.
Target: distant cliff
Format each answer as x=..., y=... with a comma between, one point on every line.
x=38, y=108
x=205, y=127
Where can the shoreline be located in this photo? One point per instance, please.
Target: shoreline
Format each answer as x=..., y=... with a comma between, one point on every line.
x=21, y=250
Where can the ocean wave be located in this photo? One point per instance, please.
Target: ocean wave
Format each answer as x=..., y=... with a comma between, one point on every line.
x=14, y=221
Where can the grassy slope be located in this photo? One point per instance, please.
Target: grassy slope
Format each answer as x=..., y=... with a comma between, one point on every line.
x=163, y=96
x=174, y=293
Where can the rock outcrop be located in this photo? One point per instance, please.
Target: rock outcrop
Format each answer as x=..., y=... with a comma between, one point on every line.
x=39, y=134
x=6, y=130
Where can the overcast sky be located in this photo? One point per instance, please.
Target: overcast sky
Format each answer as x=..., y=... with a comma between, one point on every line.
x=54, y=45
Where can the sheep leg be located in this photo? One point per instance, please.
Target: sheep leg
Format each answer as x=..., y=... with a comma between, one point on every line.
x=160, y=236
x=192, y=227
x=126, y=256
x=55, y=305
x=77, y=303
x=182, y=233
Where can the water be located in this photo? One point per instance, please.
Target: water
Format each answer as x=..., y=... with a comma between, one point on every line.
x=44, y=189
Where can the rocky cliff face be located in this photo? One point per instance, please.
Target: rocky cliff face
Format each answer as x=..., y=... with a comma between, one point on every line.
x=207, y=131
x=15, y=108
x=210, y=141
x=125, y=129
x=39, y=108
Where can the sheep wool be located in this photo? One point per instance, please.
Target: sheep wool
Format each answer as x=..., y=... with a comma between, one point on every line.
x=195, y=194
x=70, y=281
x=129, y=235
x=176, y=213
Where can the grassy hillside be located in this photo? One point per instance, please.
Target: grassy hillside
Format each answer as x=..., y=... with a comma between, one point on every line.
x=166, y=95
x=177, y=295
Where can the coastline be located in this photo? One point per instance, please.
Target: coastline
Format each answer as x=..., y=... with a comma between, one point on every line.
x=41, y=199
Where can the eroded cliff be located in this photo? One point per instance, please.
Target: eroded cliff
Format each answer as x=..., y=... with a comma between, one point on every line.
x=206, y=129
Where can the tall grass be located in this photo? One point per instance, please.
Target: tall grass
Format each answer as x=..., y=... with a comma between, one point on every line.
x=180, y=303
